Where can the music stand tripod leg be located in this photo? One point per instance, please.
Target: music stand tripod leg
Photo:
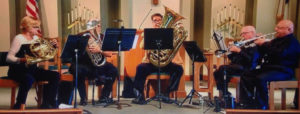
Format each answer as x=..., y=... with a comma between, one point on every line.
x=193, y=91
x=119, y=105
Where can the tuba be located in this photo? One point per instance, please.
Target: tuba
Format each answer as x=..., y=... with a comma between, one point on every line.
x=170, y=20
x=41, y=50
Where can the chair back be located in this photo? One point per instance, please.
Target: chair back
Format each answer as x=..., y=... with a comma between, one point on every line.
x=3, y=56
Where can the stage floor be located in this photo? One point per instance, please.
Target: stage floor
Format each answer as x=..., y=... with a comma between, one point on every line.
x=150, y=108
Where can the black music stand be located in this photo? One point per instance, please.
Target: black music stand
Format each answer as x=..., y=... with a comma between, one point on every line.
x=75, y=45
x=196, y=55
x=221, y=49
x=158, y=39
x=118, y=40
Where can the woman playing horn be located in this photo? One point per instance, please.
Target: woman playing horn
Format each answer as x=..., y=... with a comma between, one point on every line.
x=24, y=74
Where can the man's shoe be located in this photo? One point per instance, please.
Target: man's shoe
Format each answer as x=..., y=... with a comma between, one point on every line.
x=139, y=100
x=104, y=101
x=167, y=100
x=83, y=102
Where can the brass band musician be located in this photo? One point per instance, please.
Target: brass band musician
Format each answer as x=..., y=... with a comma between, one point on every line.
x=25, y=74
x=280, y=56
x=103, y=73
x=174, y=68
x=242, y=59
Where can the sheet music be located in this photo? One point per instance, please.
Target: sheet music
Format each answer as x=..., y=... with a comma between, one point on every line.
x=136, y=37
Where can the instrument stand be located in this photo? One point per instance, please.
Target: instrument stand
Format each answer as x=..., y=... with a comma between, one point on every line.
x=195, y=55
x=159, y=38
x=118, y=40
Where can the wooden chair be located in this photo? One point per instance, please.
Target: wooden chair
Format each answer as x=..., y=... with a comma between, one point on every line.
x=283, y=85
x=149, y=88
x=5, y=82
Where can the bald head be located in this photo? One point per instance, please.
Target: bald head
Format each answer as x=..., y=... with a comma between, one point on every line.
x=284, y=27
x=248, y=32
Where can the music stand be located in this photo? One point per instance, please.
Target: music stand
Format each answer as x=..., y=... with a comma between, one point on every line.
x=221, y=49
x=195, y=54
x=118, y=40
x=74, y=45
x=158, y=39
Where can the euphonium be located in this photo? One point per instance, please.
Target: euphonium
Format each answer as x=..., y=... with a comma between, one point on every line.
x=41, y=50
x=170, y=20
x=95, y=40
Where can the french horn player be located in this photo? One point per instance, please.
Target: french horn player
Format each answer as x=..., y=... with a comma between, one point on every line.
x=174, y=67
x=25, y=74
x=93, y=65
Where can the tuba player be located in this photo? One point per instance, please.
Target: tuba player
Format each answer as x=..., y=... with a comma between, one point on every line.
x=174, y=68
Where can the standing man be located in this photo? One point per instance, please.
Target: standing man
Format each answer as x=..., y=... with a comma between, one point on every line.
x=279, y=58
x=242, y=59
x=174, y=68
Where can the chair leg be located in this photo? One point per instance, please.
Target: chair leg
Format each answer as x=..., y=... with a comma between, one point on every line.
x=39, y=90
x=22, y=107
x=12, y=98
x=271, y=96
x=283, y=98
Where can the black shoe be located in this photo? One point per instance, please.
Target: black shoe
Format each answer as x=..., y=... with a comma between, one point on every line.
x=167, y=100
x=139, y=100
x=17, y=106
x=104, y=101
x=83, y=102
x=47, y=106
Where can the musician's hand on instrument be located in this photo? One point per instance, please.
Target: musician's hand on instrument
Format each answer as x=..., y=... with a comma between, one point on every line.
x=54, y=42
x=94, y=49
x=235, y=49
x=260, y=41
x=22, y=60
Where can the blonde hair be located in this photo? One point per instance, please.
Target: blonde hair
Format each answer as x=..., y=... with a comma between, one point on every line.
x=29, y=22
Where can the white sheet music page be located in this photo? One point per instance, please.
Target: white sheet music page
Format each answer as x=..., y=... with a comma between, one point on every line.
x=135, y=41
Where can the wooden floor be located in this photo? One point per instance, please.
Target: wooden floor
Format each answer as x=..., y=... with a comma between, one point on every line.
x=140, y=109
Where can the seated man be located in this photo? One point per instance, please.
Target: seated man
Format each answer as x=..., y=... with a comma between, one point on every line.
x=279, y=58
x=242, y=59
x=102, y=71
x=174, y=68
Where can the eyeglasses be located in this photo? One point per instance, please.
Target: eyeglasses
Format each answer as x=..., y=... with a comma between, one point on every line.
x=36, y=27
x=156, y=20
x=243, y=33
x=279, y=27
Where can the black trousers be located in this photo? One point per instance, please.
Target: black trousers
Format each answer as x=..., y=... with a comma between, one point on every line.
x=27, y=76
x=259, y=79
x=105, y=74
x=144, y=69
x=231, y=70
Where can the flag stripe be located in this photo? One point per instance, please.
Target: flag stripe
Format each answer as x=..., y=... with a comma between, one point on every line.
x=32, y=10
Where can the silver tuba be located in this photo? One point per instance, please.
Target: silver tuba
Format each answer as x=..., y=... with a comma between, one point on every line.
x=95, y=40
x=170, y=20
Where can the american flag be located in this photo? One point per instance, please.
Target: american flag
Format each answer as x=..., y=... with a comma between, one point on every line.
x=32, y=10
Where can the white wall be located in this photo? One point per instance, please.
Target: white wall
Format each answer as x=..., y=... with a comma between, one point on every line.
x=140, y=9
x=4, y=31
x=265, y=15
